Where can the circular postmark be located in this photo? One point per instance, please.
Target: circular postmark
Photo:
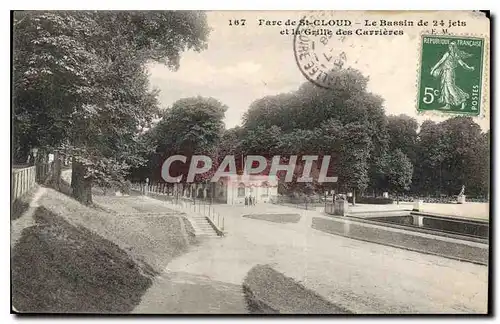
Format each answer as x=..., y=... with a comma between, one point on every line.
x=317, y=46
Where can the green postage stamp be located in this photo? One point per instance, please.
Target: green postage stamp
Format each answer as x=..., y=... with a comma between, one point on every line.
x=451, y=74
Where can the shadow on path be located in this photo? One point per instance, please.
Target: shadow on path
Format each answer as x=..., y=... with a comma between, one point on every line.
x=268, y=291
x=187, y=293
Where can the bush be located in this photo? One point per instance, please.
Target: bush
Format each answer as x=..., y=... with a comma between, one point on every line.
x=126, y=187
x=372, y=200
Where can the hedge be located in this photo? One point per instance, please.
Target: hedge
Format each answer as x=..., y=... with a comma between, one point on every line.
x=372, y=200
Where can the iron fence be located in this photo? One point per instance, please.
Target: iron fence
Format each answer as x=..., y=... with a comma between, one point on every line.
x=202, y=207
x=308, y=203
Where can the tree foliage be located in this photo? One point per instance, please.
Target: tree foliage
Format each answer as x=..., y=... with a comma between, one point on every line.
x=81, y=85
x=399, y=171
x=402, y=134
x=370, y=151
x=346, y=121
x=452, y=153
x=191, y=126
x=373, y=151
x=355, y=153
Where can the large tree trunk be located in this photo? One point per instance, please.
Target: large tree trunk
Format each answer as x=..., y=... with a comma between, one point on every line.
x=82, y=187
x=56, y=171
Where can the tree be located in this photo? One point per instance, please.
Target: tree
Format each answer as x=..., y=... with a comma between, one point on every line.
x=261, y=141
x=270, y=111
x=80, y=83
x=399, y=172
x=431, y=153
x=355, y=152
x=231, y=142
x=479, y=177
x=402, y=132
x=313, y=121
x=450, y=154
x=308, y=107
x=191, y=126
x=463, y=159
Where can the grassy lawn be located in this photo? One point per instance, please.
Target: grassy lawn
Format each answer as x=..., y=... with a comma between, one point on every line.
x=137, y=204
x=268, y=291
x=275, y=218
x=79, y=259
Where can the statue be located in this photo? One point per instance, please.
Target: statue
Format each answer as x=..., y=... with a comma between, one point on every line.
x=451, y=94
x=461, y=196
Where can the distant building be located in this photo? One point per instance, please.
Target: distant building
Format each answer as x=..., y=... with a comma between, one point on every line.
x=234, y=189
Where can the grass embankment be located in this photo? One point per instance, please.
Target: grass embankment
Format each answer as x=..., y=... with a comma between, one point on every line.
x=268, y=291
x=78, y=259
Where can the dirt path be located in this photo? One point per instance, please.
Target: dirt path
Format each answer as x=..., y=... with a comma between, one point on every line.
x=26, y=220
x=188, y=293
x=360, y=276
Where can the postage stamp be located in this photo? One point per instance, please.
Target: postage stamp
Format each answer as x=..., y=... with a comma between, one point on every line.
x=450, y=77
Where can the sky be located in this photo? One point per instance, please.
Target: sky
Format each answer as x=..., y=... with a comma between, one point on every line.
x=245, y=63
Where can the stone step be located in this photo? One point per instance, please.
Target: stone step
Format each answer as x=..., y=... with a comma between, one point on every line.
x=202, y=221
x=208, y=235
x=205, y=229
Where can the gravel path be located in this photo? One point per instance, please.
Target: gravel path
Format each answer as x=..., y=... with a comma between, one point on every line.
x=26, y=220
x=358, y=276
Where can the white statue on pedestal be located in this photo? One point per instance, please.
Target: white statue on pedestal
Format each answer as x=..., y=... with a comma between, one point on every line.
x=461, y=196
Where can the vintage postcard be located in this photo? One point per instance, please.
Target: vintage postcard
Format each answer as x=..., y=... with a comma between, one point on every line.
x=250, y=162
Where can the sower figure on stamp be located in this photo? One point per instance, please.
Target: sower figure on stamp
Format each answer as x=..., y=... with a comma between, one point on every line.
x=451, y=94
